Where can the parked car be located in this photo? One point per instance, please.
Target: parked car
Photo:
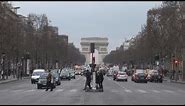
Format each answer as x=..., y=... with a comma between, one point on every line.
x=121, y=76
x=42, y=82
x=56, y=75
x=140, y=76
x=65, y=74
x=36, y=75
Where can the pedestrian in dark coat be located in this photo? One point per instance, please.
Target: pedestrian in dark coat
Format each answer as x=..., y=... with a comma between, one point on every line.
x=88, y=80
x=101, y=78
x=49, y=84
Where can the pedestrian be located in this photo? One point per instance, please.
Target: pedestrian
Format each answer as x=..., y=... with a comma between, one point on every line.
x=97, y=79
x=88, y=80
x=21, y=74
x=49, y=82
x=101, y=78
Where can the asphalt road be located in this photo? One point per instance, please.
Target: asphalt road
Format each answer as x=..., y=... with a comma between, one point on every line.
x=71, y=92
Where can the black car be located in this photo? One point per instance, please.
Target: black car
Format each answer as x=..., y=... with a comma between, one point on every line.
x=140, y=77
x=156, y=77
x=43, y=81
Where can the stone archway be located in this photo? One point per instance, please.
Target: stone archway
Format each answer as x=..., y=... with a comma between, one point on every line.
x=101, y=45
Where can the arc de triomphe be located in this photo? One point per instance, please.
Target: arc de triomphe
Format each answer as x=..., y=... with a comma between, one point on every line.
x=101, y=45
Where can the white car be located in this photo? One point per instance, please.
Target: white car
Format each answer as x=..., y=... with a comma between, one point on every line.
x=121, y=76
x=36, y=75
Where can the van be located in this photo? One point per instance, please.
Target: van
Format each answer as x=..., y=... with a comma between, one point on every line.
x=36, y=75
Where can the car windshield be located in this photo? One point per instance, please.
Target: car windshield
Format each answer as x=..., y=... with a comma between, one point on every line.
x=37, y=73
x=44, y=76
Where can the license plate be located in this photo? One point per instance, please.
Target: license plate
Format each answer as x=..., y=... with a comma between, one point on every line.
x=142, y=78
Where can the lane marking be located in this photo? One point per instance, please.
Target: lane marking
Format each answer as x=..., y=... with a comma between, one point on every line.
x=127, y=90
x=113, y=90
x=182, y=91
x=73, y=90
x=155, y=91
x=17, y=90
x=6, y=90
x=142, y=91
x=168, y=91
x=30, y=90
x=59, y=90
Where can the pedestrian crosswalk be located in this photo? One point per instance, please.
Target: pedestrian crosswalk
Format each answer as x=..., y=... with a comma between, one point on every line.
x=149, y=91
x=141, y=91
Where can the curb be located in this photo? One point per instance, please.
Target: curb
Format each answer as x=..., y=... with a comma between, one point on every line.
x=178, y=82
x=6, y=81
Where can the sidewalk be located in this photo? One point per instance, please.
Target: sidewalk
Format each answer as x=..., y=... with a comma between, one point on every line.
x=10, y=79
x=173, y=81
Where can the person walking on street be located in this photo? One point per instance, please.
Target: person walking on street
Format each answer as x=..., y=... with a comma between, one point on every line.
x=101, y=78
x=88, y=80
x=49, y=84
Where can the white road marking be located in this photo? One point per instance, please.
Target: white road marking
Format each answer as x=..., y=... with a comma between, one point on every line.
x=168, y=91
x=73, y=90
x=155, y=91
x=119, y=85
x=4, y=90
x=142, y=91
x=17, y=91
x=182, y=91
x=30, y=90
x=59, y=90
x=113, y=90
x=127, y=90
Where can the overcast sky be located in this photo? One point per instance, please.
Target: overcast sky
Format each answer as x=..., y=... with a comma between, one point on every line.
x=114, y=20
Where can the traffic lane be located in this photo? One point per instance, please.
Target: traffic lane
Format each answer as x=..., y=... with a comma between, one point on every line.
x=18, y=84
x=111, y=95
x=152, y=93
x=63, y=94
x=69, y=92
x=152, y=85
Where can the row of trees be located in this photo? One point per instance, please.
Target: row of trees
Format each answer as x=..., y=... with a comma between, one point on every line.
x=162, y=36
x=33, y=38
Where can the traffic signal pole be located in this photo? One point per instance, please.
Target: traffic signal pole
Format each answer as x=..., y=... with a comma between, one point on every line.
x=92, y=47
x=94, y=74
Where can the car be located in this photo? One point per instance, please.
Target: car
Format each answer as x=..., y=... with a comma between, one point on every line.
x=72, y=73
x=140, y=76
x=65, y=74
x=121, y=76
x=114, y=75
x=36, y=74
x=110, y=72
x=42, y=82
x=56, y=74
x=156, y=77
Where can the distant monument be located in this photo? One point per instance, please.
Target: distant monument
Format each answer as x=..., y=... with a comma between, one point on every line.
x=101, y=45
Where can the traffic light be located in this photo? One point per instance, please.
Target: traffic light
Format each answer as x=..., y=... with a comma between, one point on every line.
x=176, y=62
x=92, y=47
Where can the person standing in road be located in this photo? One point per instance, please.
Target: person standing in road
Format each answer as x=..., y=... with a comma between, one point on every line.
x=49, y=84
x=88, y=80
x=101, y=78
